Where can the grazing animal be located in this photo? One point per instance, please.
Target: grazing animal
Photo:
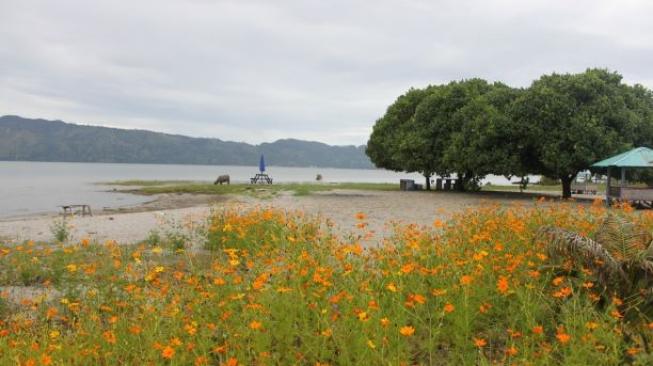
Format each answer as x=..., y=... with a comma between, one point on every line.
x=222, y=179
x=318, y=177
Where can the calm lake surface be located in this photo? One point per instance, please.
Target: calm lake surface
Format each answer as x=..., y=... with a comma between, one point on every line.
x=28, y=188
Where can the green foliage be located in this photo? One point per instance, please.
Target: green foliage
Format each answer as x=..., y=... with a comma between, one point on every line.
x=619, y=259
x=557, y=127
x=60, y=230
x=577, y=119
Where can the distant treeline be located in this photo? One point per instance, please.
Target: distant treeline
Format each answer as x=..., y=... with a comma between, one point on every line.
x=41, y=140
x=557, y=127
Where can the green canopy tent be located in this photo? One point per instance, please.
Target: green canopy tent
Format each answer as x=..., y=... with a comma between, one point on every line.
x=640, y=157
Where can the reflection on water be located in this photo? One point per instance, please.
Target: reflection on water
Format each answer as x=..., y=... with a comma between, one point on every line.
x=34, y=187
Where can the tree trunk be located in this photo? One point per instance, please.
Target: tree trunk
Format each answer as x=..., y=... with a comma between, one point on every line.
x=461, y=182
x=428, y=182
x=566, y=187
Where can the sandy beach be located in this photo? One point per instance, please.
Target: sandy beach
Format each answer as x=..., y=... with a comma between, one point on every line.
x=134, y=224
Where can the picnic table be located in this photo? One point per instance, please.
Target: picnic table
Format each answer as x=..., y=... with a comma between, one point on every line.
x=76, y=209
x=261, y=178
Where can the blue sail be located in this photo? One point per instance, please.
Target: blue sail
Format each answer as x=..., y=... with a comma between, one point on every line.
x=261, y=164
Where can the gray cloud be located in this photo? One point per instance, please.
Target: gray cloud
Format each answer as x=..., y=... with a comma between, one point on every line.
x=262, y=70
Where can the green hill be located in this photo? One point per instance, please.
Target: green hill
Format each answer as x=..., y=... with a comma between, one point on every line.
x=24, y=139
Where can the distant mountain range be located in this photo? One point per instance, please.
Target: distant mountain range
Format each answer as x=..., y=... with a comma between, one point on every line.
x=23, y=139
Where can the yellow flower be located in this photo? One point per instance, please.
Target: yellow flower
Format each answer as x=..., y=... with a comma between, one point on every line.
x=327, y=332
x=385, y=322
x=159, y=269
x=371, y=344
x=591, y=325
x=72, y=268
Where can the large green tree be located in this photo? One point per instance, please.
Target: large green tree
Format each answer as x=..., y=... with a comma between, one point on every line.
x=465, y=128
x=391, y=143
x=575, y=120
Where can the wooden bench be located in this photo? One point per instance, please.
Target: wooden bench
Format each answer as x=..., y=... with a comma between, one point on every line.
x=261, y=178
x=76, y=209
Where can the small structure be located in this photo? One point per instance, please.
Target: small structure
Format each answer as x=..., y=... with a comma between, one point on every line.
x=641, y=157
x=261, y=177
x=76, y=209
x=407, y=185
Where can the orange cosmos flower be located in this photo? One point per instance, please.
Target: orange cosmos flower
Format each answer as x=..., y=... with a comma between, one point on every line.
x=502, y=285
x=46, y=360
x=109, y=337
x=385, y=322
x=512, y=351
x=255, y=325
x=407, y=331
x=558, y=280
x=466, y=280
x=480, y=342
x=168, y=353
x=361, y=216
x=448, y=308
x=616, y=314
x=51, y=313
x=231, y=362
x=562, y=336
x=538, y=329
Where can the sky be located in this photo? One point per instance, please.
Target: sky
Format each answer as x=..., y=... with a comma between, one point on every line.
x=258, y=71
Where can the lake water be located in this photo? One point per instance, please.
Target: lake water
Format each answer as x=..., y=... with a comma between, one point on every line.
x=28, y=188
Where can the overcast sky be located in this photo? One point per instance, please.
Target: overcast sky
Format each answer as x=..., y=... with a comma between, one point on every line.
x=325, y=70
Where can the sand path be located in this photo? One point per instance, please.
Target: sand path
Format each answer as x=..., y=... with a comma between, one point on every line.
x=340, y=206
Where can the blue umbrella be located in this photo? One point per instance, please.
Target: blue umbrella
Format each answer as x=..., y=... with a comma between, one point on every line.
x=261, y=164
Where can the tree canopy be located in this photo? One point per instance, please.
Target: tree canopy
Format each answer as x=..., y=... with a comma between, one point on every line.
x=557, y=127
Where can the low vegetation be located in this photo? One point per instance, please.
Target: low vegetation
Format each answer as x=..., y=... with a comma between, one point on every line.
x=158, y=187
x=493, y=285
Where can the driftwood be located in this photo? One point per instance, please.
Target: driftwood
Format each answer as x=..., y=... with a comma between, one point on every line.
x=222, y=179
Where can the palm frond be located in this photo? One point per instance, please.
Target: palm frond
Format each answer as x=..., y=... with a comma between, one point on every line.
x=564, y=244
x=622, y=239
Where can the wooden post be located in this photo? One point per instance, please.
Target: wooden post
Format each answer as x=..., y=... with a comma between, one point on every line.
x=607, y=190
x=622, y=182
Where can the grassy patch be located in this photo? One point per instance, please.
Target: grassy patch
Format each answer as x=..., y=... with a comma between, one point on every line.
x=299, y=189
x=530, y=188
x=149, y=183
